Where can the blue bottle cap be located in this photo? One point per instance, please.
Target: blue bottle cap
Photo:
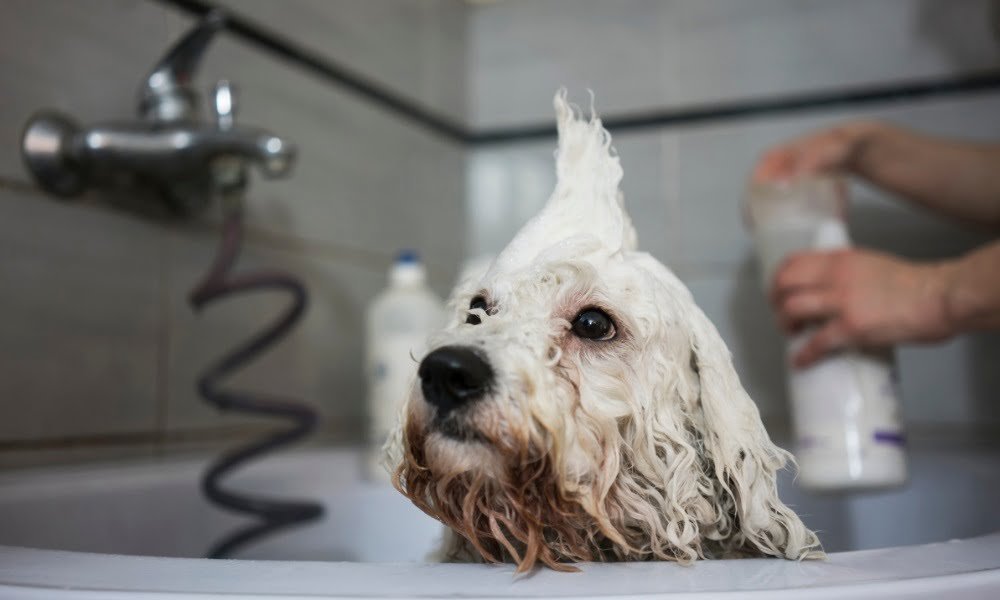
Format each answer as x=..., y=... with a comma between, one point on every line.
x=408, y=257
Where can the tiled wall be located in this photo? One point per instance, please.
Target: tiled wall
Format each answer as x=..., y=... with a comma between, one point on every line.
x=683, y=184
x=98, y=347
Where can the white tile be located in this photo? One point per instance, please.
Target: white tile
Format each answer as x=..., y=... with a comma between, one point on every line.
x=508, y=184
x=320, y=362
x=85, y=59
x=79, y=341
x=650, y=184
x=640, y=55
x=951, y=383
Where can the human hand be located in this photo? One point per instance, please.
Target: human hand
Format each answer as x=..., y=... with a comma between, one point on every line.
x=833, y=150
x=859, y=298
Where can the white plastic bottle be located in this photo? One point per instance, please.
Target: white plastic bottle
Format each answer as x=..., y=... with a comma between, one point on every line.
x=845, y=408
x=398, y=322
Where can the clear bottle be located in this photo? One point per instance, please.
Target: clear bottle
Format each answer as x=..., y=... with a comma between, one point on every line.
x=845, y=408
x=398, y=323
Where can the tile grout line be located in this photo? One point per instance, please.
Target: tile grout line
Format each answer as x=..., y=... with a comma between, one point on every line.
x=359, y=257
x=300, y=246
x=163, y=340
x=326, y=429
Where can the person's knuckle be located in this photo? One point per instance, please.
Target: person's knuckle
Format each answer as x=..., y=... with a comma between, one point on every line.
x=785, y=276
x=852, y=322
x=790, y=304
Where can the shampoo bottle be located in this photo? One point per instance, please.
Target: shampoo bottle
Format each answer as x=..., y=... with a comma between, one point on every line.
x=398, y=323
x=845, y=408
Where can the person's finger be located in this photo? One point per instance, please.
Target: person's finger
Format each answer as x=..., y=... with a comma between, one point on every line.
x=800, y=270
x=806, y=306
x=823, y=155
x=789, y=327
x=829, y=338
x=776, y=165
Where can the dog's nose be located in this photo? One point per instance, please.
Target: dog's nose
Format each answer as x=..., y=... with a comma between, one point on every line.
x=453, y=376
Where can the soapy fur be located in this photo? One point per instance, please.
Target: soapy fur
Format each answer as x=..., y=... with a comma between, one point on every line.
x=642, y=447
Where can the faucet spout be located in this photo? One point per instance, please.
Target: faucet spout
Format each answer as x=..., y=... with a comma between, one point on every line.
x=172, y=150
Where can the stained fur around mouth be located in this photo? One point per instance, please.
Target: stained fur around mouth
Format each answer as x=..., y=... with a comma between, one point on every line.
x=453, y=427
x=516, y=515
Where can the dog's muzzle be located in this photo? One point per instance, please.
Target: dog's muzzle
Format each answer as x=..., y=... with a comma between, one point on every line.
x=454, y=376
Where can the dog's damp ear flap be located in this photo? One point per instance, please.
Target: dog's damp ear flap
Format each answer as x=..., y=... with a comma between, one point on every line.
x=741, y=455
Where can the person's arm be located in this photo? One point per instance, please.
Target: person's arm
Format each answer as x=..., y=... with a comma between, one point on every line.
x=861, y=298
x=972, y=290
x=958, y=179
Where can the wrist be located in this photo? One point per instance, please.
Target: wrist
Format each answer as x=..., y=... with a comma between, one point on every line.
x=947, y=314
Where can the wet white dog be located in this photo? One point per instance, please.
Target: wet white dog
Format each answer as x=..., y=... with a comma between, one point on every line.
x=581, y=407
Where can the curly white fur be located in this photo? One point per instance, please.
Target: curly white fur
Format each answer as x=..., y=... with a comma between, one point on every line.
x=641, y=447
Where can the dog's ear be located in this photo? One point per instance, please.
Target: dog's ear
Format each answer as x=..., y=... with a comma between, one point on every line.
x=742, y=460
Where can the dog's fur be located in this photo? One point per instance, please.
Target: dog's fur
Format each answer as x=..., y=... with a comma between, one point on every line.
x=641, y=447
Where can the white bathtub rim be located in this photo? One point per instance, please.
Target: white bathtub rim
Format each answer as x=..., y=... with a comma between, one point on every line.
x=970, y=586
x=972, y=564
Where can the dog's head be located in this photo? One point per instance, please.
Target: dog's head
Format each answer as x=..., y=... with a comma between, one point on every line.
x=579, y=406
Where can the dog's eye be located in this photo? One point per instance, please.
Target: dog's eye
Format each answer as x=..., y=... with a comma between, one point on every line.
x=477, y=303
x=594, y=324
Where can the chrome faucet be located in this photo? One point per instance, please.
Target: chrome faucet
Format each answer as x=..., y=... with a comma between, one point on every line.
x=190, y=160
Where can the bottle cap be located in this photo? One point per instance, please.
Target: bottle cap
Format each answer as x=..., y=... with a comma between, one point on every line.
x=407, y=269
x=806, y=199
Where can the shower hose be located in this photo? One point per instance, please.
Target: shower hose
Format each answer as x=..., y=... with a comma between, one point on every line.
x=271, y=514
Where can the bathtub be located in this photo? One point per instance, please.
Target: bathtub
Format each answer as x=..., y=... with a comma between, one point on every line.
x=135, y=531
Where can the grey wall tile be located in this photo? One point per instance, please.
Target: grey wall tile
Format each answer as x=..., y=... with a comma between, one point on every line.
x=640, y=54
x=321, y=362
x=365, y=179
x=40, y=457
x=415, y=48
x=521, y=52
x=83, y=58
x=105, y=332
x=81, y=299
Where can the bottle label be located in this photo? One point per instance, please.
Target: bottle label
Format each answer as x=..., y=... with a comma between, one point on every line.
x=844, y=405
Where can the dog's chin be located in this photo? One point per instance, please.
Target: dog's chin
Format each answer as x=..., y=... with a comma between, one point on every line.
x=458, y=429
x=449, y=455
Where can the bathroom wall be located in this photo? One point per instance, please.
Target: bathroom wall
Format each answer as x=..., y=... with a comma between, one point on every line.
x=99, y=349
x=98, y=346
x=683, y=183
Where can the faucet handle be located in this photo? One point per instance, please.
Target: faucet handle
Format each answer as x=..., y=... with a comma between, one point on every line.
x=166, y=94
x=224, y=104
